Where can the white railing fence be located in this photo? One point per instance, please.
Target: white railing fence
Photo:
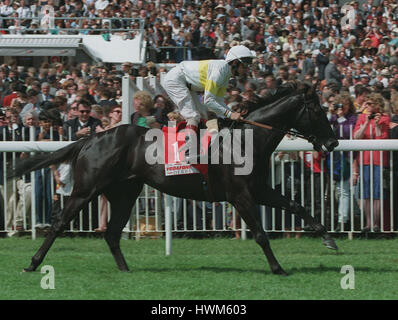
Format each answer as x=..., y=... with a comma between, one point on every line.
x=319, y=193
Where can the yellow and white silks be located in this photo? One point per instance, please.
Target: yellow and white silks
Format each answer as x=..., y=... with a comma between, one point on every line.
x=183, y=82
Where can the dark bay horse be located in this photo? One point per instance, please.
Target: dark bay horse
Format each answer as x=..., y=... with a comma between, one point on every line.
x=113, y=163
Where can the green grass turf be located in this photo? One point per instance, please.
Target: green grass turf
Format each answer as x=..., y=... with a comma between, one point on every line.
x=200, y=269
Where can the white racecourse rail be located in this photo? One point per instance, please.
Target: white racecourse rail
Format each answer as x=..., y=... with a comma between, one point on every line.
x=318, y=192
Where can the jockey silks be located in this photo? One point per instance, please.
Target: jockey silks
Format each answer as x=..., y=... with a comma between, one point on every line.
x=211, y=77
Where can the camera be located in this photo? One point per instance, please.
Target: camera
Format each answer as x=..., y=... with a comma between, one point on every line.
x=372, y=116
x=337, y=106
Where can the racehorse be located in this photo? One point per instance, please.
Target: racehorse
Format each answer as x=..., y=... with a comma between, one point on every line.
x=113, y=163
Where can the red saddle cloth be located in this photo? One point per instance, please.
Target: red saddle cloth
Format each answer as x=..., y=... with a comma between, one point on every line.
x=174, y=153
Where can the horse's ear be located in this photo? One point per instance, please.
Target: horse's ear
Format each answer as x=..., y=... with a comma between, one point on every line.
x=310, y=88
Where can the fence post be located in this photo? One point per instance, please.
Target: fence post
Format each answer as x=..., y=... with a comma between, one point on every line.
x=244, y=230
x=127, y=99
x=33, y=190
x=168, y=228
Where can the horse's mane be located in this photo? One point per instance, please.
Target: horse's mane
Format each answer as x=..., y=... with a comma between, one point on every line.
x=268, y=101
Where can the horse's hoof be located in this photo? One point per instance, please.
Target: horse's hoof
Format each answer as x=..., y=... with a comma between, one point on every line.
x=330, y=244
x=280, y=272
x=28, y=269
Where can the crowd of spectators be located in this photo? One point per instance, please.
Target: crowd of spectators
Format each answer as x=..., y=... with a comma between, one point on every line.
x=351, y=52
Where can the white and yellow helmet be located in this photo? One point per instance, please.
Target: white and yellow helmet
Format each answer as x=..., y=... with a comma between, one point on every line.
x=241, y=53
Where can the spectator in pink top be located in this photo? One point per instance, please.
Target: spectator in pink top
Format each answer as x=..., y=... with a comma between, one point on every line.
x=374, y=124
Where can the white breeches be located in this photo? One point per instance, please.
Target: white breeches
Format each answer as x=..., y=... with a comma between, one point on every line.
x=187, y=101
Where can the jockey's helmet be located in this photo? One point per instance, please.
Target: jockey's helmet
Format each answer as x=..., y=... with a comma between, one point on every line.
x=241, y=53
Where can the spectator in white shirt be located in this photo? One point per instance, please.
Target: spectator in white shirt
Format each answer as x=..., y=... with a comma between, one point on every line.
x=23, y=10
x=6, y=11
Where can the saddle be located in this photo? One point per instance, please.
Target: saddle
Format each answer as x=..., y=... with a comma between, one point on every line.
x=174, y=152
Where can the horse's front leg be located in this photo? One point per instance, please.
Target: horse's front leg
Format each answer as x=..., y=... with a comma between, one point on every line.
x=273, y=198
x=72, y=207
x=244, y=203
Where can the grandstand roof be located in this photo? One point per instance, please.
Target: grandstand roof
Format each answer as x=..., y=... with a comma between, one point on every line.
x=117, y=50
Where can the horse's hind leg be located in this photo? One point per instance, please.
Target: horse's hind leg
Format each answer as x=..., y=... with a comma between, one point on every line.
x=246, y=208
x=273, y=198
x=122, y=197
x=72, y=207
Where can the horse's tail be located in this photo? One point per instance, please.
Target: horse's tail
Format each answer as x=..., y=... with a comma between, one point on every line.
x=43, y=160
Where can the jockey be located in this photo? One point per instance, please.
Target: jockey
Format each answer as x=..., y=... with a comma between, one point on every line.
x=188, y=78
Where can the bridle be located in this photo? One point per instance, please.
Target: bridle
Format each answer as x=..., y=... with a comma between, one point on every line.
x=309, y=138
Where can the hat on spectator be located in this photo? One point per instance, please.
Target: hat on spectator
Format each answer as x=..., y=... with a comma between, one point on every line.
x=385, y=72
x=246, y=43
x=101, y=5
x=364, y=75
x=308, y=51
x=395, y=30
x=286, y=47
x=220, y=6
x=219, y=16
x=261, y=17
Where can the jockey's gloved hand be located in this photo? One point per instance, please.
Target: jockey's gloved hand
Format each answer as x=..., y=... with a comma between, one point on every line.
x=235, y=116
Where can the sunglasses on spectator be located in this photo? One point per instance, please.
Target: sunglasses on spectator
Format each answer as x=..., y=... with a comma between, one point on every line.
x=117, y=111
x=84, y=111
